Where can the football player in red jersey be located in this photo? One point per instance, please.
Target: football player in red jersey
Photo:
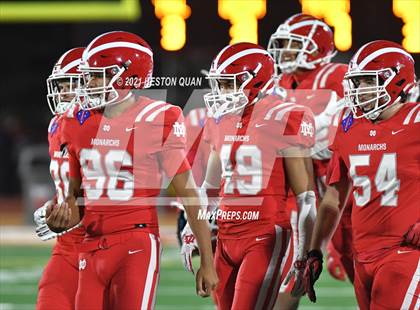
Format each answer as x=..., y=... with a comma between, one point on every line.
x=257, y=143
x=58, y=284
x=303, y=47
x=119, y=145
x=375, y=160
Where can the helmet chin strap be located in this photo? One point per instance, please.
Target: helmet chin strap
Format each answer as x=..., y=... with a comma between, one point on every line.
x=264, y=90
x=374, y=115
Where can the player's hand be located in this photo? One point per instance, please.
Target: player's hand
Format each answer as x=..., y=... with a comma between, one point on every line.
x=313, y=270
x=39, y=214
x=296, y=276
x=42, y=230
x=189, y=245
x=334, y=265
x=59, y=217
x=206, y=281
x=412, y=236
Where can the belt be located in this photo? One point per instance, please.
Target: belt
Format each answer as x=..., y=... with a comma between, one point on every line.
x=107, y=241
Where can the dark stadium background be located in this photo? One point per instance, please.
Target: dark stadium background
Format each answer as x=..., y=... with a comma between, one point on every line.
x=29, y=50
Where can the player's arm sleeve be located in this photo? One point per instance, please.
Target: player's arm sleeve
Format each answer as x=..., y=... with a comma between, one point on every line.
x=299, y=129
x=172, y=156
x=74, y=165
x=336, y=169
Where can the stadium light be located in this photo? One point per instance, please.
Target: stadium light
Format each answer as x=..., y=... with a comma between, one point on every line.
x=409, y=12
x=336, y=14
x=172, y=15
x=69, y=11
x=243, y=15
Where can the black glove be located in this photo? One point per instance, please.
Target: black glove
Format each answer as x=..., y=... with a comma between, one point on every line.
x=312, y=272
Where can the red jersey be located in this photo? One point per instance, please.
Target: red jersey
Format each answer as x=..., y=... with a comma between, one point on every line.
x=329, y=76
x=197, y=150
x=382, y=160
x=314, y=88
x=120, y=161
x=253, y=180
x=59, y=169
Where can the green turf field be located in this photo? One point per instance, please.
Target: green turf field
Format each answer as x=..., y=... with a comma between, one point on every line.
x=21, y=267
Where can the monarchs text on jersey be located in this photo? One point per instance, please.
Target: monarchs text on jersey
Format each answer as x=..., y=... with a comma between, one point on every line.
x=120, y=161
x=382, y=161
x=253, y=180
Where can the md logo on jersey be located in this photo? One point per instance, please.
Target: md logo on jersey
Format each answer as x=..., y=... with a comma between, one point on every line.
x=82, y=264
x=82, y=116
x=179, y=129
x=306, y=129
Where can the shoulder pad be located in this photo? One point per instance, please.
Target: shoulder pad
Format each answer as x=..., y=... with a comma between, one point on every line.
x=332, y=73
x=413, y=115
x=151, y=111
x=277, y=112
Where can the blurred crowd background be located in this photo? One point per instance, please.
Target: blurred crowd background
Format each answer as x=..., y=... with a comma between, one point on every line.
x=184, y=35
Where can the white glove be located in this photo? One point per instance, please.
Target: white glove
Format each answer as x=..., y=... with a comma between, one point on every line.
x=39, y=214
x=306, y=203
x=189, y=244
x=42, y=230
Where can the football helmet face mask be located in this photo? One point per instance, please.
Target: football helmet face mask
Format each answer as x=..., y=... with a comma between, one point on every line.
x=380, y=74
x=114, y=64
x=64, y=80
x=239, y=73
x=302, y=41
x=414, y=93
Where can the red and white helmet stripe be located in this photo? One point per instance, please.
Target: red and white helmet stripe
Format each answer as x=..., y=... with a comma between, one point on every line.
x=306, y=23
x=237, y=56
x=382, y=51
x=91, y=52
x=371, y=57
x=71, y=65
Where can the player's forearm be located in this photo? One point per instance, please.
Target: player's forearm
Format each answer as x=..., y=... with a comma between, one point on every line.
x=185, y=188
x=326, y=220
x=299, y=171
x=75, y=189
x=214, y=170
x=329, y=212
x=74, y=194
x=201, y=231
